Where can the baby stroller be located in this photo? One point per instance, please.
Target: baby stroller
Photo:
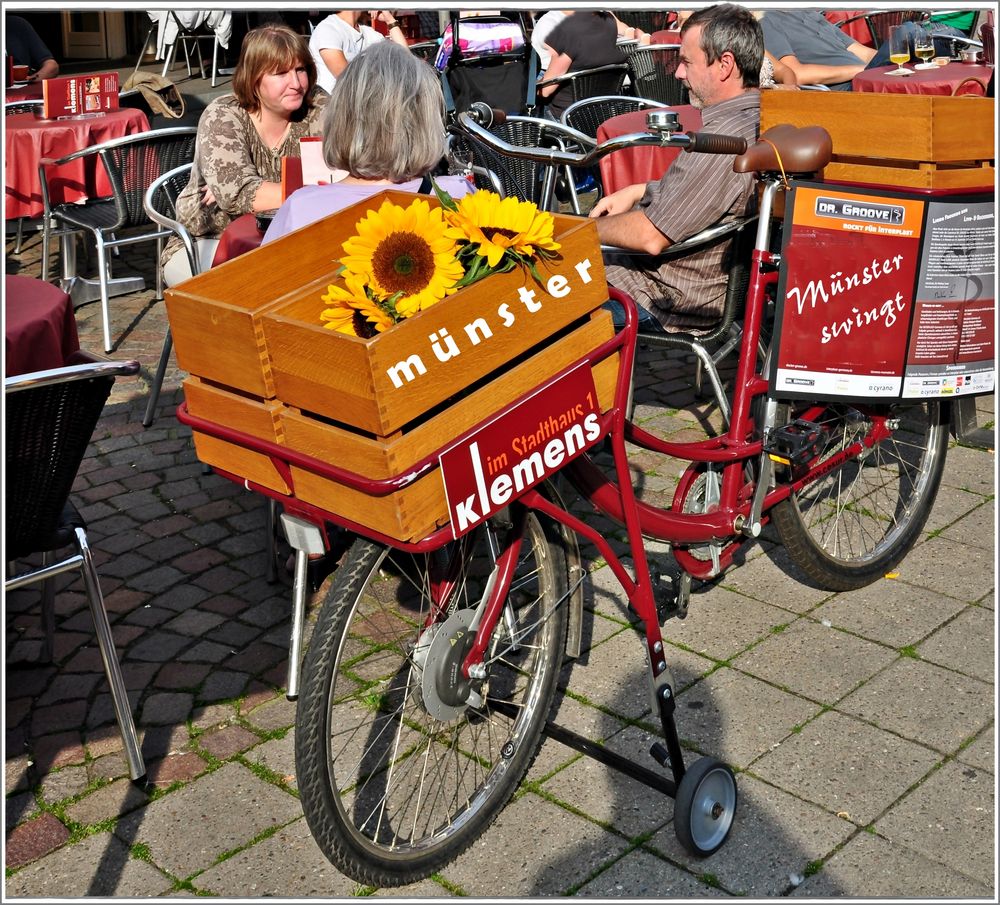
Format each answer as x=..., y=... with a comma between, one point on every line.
x=487, y=58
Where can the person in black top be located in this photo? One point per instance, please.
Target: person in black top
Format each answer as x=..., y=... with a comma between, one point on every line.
x=583, y=40
x=27, y=49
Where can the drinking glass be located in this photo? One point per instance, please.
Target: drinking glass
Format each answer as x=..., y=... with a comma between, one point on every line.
x=923, y=47
x=899, y=51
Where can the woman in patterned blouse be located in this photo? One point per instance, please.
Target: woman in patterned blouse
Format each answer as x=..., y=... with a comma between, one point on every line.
x=241, y=139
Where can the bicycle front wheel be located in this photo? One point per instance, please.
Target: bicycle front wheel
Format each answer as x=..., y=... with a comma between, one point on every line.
x=856, y=522
x=401, y=762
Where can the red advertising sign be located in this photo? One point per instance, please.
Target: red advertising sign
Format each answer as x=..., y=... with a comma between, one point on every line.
x=520, y=448
x=79, y=95
x=866, y=306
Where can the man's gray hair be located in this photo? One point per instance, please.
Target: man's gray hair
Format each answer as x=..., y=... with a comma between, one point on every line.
x=727, y=27
x=385, y=118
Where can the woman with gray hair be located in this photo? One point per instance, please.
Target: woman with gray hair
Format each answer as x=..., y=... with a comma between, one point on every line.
x=384, y=125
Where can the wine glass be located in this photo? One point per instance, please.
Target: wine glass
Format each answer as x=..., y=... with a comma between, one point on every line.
x=923, y=47
x=899, y=51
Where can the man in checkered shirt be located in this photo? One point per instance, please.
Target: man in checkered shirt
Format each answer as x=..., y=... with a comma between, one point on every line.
x=721, y=52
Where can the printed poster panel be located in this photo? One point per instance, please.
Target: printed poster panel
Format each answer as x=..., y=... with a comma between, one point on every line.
x=951, y=347
x=845, y=297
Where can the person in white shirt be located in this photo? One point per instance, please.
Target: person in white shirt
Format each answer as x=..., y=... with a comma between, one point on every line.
x=339, y=38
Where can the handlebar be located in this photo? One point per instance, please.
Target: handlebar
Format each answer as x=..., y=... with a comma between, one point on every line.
x=480, y=117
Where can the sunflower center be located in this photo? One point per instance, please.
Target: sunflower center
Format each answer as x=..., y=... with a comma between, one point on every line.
x=363, y=327
x=491, y=231
x=403, y=262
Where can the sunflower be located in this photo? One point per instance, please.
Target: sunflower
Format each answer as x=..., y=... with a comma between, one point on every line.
x=406, y=256
x=352, y=311
x=501, y=226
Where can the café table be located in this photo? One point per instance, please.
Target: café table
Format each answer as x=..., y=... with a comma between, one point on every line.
x=39, y=326
x=639, y=164
x=239, y=237
x=941, y=80
x=27, y=139
x=31, y=91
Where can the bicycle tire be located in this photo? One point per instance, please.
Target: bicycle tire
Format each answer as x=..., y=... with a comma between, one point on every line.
x=856, y=522
x=396, y=775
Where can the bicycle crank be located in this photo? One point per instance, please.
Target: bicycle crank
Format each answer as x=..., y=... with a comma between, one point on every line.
x=444, y=692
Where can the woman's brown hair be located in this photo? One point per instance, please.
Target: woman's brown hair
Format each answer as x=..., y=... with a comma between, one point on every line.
x=270, y=48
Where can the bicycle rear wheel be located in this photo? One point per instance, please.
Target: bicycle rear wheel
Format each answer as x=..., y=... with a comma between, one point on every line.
x=401, y=763
x=856, y=522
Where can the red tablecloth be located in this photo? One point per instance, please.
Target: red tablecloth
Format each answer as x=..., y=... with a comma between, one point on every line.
x=238, y=238
x=666, y=36
x=27, y=139
x=633, y=165
x=39, y=325
x=940, y=80
x=30, y=92
x=857, y=30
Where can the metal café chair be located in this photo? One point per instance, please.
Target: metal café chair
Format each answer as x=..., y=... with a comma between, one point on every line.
x=596, y=82
x=50, y=419
x=131, y=164
x=652, y=73
x=881, y=22
x=189, y=36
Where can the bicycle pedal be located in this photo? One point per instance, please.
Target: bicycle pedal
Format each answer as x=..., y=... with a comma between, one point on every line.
x=795, y=444
x=660, y=754
x=671, y=596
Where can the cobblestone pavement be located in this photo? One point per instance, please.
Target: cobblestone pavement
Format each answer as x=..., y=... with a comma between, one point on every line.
x=861, y=724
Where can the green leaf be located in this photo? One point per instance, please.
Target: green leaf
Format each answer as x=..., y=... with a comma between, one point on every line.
x=447, y=202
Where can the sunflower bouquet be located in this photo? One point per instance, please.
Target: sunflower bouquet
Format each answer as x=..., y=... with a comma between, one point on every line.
x=403, y=260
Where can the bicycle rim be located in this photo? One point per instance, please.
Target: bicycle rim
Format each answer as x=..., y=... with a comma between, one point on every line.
x=397, y=773
x=858, y=520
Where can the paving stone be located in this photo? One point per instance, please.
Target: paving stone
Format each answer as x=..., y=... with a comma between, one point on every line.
x=194, y=623
x=55, y=751
x=224, y=743
x=814, y=660
x=211, y=715
x=109, y=766
x=158, y=648
x=287, y=864
x=846, y=766
x=65, y=783
x=99, y=865
x=888, y=612
x=722, y=623
x=278, y=755
x=885, y=870
x=774, y=580
x=33, y=839
x=610, y=797
x=897, y=699
x=185, y=837
x=166, y=708
x=206, y=652
x=642, y=875
x=16, y=773
x=737, y=718
x=182, y=675
x=278, y=713
x=112, y=800
x=223, y=685
x=949, y=818
x=967, y=644
x=982, y=752
x=977, y=528
x=574, y=848
x=774, y=837
x=955, y=570
x=182, y=767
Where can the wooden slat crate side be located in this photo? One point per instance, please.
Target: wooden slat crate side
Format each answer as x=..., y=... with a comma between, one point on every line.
x=302, y=351
x=223, y=405
x=928, y=177
x=383, y=458
x=890, y=126
x=217, y=341
x=239, y=460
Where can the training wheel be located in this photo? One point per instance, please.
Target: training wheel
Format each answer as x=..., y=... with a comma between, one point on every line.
x=705, y=806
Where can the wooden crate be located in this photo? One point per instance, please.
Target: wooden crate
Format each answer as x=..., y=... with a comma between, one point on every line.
x=907, y=140
x=415, y=511
x=253, y=324
x=259, y=418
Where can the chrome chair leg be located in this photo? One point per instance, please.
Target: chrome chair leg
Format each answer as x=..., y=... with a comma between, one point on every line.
x=106, y=642
x=161, y=370
x=48, y=610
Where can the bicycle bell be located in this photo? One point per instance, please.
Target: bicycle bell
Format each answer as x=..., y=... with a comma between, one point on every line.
x=662, y=120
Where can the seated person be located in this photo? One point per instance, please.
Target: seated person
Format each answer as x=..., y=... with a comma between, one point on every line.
x=241, y=139
x=364, y=134
x=25, y=48
x=585, y=40
x=721, y=52
x=340, y=37
x=819, y=53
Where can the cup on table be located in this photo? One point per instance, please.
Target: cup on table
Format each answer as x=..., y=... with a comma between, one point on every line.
x=19, y=73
